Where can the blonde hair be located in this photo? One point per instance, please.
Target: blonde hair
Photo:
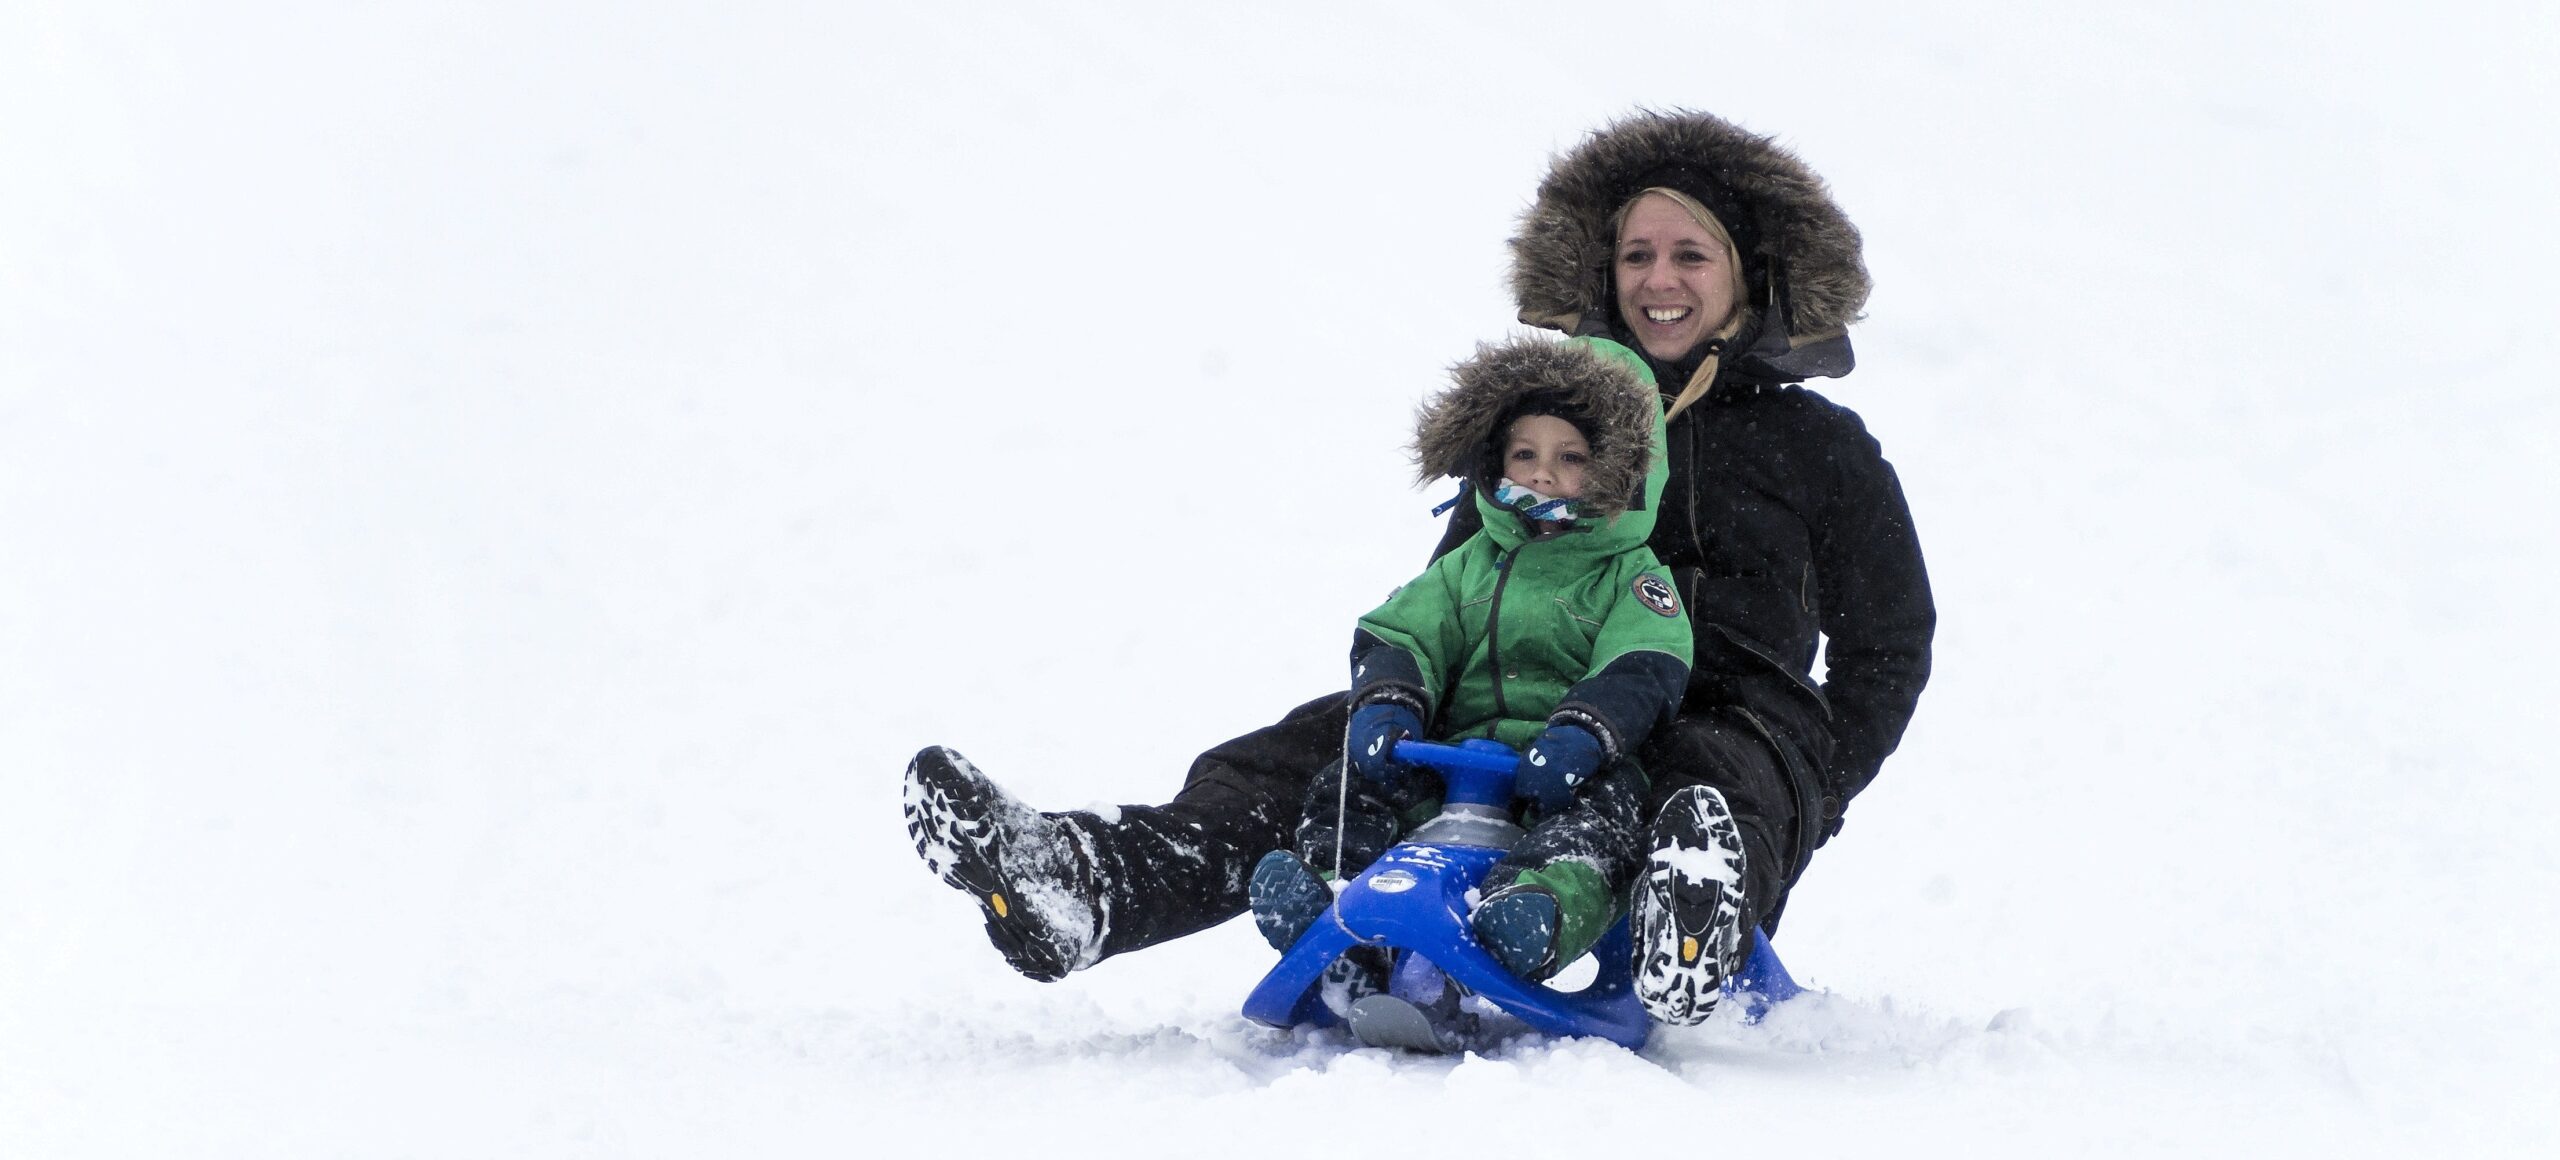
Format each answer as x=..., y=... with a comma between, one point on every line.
x=1696, y=387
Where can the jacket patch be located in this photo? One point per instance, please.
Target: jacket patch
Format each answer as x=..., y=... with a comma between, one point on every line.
x=1657, y=594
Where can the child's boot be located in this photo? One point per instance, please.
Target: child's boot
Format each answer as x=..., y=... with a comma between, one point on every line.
x=1687, y=920
x=1032, y=874
x=1518, y=924
x=1287, y=896
x=1536, y=919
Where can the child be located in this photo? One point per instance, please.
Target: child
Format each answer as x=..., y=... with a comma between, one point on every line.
x=1553, y=630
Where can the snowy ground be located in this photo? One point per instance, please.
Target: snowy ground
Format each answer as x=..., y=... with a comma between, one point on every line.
x=489, y=501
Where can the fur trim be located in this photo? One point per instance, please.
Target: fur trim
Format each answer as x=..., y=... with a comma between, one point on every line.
x=1455, y=430
x=1562, y=255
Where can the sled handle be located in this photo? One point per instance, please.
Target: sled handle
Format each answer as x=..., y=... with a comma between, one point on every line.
x=1477, y=771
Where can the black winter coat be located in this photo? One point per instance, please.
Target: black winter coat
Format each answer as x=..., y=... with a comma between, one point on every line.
x=1783, y=525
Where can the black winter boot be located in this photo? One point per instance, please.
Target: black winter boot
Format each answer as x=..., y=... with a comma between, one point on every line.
x=1687, y=917
x=1033, y=874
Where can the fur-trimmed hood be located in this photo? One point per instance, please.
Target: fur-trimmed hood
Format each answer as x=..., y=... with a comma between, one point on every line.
x=1801, y=260
x=1620, y=412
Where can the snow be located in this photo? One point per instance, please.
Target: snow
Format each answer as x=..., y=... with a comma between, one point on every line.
x=492, y=495
x=1698, y=865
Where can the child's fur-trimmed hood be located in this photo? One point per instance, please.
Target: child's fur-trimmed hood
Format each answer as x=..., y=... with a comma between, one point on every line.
x=1620, y=413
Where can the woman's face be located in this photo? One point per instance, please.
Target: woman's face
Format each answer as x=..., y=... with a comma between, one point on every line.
x=1675, y=280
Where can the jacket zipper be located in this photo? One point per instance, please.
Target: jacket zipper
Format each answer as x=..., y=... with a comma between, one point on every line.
x=1493, y=627
x=1809, y=819
x=1689, y=506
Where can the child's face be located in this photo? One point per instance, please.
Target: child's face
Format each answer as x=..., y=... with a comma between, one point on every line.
x=1546, y=455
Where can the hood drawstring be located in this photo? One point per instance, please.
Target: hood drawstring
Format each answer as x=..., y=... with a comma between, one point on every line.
x=1452, y=501
x=1705, y=376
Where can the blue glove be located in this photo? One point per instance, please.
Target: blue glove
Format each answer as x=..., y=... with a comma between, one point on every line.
x=1555, y=764
x=1375, y=728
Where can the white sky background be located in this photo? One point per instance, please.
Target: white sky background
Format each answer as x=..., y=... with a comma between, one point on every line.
x=489, y=501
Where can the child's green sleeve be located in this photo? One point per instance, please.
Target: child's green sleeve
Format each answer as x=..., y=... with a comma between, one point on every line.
x=1408, y=648
x=1639, y=663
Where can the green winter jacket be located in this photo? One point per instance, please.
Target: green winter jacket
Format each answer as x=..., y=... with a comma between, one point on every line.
x=1513, y=630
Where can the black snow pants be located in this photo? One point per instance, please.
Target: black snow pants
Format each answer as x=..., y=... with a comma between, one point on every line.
x=1604, y=828
x=1183, y=867
x=1753, y=768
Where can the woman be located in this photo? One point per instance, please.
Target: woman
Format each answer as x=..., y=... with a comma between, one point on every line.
x=1722, y=259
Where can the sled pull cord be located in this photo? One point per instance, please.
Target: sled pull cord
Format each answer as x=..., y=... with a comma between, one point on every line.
x=1342, y=813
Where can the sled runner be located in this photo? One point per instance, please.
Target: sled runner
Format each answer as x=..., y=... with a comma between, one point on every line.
x=1414, y=901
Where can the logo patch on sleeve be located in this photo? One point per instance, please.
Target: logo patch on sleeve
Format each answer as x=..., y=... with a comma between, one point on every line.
x=1657, y=594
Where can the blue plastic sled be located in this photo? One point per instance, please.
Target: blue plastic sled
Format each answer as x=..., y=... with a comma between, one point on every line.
x=1414, y=899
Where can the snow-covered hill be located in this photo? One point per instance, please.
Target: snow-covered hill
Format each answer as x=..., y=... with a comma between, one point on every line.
x=489, y=501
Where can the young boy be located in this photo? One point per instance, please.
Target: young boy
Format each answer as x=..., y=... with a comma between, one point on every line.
x=1553, y=630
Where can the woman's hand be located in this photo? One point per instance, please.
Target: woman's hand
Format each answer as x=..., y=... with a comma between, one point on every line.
x=1556, y=764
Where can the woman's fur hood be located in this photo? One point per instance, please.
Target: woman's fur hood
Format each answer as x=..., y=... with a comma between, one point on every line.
x=1621, y=414
x=1801, y=255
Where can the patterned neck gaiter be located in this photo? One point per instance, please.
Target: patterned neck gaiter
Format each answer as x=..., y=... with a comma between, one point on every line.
x=1532, y=504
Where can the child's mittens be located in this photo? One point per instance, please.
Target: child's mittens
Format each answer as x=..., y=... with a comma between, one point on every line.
x=1375, y=728
x=1556, y=764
